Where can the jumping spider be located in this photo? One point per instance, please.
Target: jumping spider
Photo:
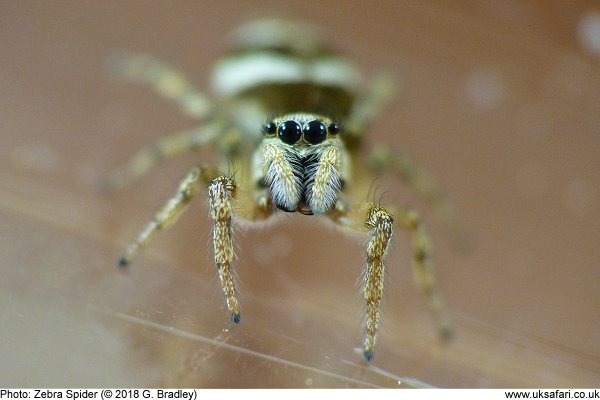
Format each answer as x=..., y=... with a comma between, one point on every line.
x=309, y=158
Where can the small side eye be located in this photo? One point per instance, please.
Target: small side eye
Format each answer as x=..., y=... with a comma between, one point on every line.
x=333, y=129
x=270, y=128
x=315, y=132
x=290, y=132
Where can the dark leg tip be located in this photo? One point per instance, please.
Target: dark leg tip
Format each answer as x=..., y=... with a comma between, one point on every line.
x=447, y=333
x=368, y=355
x=107, y=185
x=123, y=262
x=236, y=318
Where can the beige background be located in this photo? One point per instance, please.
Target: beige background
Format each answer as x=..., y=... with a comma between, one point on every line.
x=501, y=103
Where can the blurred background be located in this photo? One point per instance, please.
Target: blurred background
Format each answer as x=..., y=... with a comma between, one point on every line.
x=500, y=102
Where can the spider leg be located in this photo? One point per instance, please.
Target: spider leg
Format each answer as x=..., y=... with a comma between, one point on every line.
x=423, y=268
x=224, y=195
x=379, y=222
x=220, y=193
x=164, y=148
x=383, y=158
x=380, y=92
x=168, y=214
x=168, y=82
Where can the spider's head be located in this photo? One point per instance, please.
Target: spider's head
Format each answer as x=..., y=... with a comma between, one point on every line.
x=302, y=161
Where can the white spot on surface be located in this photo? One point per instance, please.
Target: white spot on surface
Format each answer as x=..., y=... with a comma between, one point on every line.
x=588, y=32
x=485, y=89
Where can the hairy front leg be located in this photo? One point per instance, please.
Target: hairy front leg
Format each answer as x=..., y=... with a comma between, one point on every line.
x=227, y=200
x=221, y=192
x=381, y=224
x=376, y=220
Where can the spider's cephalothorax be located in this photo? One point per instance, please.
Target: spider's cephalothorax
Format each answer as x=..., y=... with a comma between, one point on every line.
x=278, y=95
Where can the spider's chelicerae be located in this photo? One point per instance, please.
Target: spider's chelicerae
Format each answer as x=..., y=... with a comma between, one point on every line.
x=288, y=116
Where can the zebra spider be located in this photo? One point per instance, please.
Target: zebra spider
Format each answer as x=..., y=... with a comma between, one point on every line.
x=310, y=158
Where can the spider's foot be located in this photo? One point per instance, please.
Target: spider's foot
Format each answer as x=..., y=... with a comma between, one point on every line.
x=446, y=332
x=236, y=318
x=368, y=355
x=123, y=262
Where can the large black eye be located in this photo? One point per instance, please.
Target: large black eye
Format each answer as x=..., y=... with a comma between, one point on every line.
x=290, y=132
x=270, y=128
x=315, y=132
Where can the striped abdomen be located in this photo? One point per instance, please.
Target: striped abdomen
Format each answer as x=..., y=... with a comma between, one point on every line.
x=285, y=67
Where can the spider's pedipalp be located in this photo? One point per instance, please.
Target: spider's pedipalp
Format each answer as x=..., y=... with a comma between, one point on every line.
x=284, y=174
x=323, y=180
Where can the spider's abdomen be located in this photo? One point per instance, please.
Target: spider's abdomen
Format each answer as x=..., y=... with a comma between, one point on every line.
x=286, y=67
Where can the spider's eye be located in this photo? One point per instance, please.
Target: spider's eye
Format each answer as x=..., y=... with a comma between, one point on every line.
x=290, y=132
x=270, y=128
x=333, y=129
x=315, y=132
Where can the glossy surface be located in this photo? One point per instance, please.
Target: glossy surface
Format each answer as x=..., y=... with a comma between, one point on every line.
x=500, y=103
